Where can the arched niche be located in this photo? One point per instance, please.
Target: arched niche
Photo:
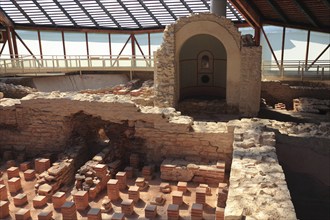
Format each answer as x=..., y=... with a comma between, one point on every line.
x=226, y=36
x=203, y=68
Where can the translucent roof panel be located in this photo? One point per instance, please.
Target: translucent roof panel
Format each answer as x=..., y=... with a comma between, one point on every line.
x=114, y=14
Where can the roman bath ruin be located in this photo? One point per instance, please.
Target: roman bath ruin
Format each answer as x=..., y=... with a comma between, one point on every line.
x=202, y=138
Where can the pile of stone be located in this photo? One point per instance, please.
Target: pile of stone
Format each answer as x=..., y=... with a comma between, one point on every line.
x=311, y=105
x=182, y=170
x=60, y=173
x=14, y=91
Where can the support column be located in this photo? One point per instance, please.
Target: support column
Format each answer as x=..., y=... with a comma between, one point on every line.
x=10, y=45
x=14, y=42
x=218, y=7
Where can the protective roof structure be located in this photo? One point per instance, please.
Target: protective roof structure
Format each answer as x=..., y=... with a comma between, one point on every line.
x=155, y=14
x=112, y=14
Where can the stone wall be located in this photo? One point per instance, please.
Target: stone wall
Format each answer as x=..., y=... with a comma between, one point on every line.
x=43, y=122
x=275, y=92
x=247, y=77
x=258, y=189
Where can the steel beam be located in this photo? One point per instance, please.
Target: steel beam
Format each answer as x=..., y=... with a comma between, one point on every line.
x=129, y=13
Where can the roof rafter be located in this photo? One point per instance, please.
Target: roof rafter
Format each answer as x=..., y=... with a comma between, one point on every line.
x=278, y=10
x=129, y=13
x=65, y=12
x=44, y=12
x=22, y=11
x=168, y=9
x=5, y=20
x=108, y=14
x=249, y=12
x=234, y=12
x=186, y=6
x=206, y=4
x=149, y=12
x=306, y=12
x=86, y=12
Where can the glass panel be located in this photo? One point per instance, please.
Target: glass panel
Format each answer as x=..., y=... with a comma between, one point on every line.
x=51, y=43
x=30, y=38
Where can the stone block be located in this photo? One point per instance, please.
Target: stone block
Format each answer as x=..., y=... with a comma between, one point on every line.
x=134, y=193
x=3, y=192
x=127, y=207
x=23, y=214
x=113, y=189
x=14, y=185
x=20, y=199
x=182, y=186
x=58, y=199
x=177, y=197
x=200, y=195
x=118, y=216
x=130, y=172
x=150, y=211
x=122, y=180
x=197, y=211
x=94, y=214
x=173, y=212
x=45, y=215
x=29, y=175
x=219, y=213
x=12, y=172
x=4, y=209
x=100, y=170
x=69, y=211
x=39, y=201
x=41, y=164
x=25, y=166
x=81, y=200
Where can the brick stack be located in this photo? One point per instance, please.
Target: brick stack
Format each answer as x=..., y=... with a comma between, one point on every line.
x=25, y=166
x=118, y=216
x=101, y=170
x=130, y=172
x=39, y=201
x=158, y=200
x=94, y=214
x=147, y=172
x=134, y=161
x=140, y=182
x=45, y=215
x=69, y=211
x=219, y=213
x=114, y=166
x=209, y=175
x=200, y=195
x=23, y=214
x=81, y=200
x=222, y=197
x=14, y=185
x=122, y=180
x=29, y=175
x=113, y=189
x=58, y=199
x=41, y=164
x=165, y=188
x=197, y=211
x=173, y=212
x=3, y=192
x=134, y=193
x=12, y=172
x=127, y=207
x=150, y=211
x=182, y=186
x=208, y=189
x=20, y=199
x=177, y=197
x=4, y=209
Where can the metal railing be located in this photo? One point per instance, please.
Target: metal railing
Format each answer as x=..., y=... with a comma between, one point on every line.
x=296, y=70
x=55, y=64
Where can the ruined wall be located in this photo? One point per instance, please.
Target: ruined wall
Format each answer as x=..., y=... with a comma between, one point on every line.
x=250, y=86
x=167, y=68
x=42, y=122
